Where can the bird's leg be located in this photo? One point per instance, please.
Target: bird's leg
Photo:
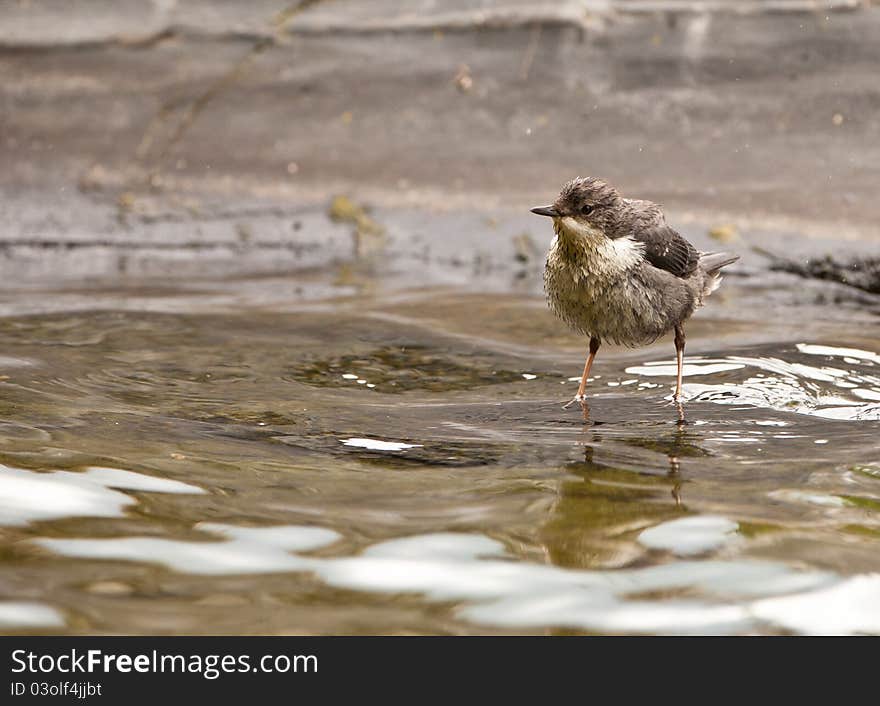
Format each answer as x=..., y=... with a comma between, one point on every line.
x=679, y=354
x=594, y=347
x=585, y=412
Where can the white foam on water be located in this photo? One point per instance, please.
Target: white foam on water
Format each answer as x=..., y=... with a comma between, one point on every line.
x=830, y=392
x=442, y=545
x=28, y=496
x=730, y=596
x=687, y=370
x=850, y=607
x=834, y=351
x=20, y=615
x=378, y=444
x=690, y=535
x=604, y=613
x=244, y=550
x=128, y=480
x=866, y=413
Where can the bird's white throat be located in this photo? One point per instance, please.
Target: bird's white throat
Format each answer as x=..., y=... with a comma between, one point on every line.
x=584, y=245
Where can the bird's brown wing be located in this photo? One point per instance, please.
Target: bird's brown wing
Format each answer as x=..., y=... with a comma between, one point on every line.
x=667, y=250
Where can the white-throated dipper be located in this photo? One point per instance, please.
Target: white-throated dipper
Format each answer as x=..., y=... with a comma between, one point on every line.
x=617, y=272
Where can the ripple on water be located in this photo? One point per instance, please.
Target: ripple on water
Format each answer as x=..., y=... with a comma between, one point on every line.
x=396, y=369
x=846, y=387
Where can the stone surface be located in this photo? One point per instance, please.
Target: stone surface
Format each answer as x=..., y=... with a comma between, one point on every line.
x=156, y=132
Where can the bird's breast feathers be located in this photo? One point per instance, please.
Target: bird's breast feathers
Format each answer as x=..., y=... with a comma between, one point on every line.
x=584, y=249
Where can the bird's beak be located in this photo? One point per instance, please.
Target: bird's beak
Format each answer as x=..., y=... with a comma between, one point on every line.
x=546, y=211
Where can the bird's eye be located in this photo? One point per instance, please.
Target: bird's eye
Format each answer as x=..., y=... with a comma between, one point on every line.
x=586, y=209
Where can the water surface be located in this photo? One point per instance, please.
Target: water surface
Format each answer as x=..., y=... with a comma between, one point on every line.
x=339, y=453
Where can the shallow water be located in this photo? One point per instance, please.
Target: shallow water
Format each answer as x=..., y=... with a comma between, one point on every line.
x=356, y=455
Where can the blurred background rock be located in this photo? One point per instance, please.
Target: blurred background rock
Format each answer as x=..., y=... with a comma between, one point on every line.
x=181, y=137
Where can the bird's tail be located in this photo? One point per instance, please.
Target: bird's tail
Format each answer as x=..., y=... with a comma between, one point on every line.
x=711, y=263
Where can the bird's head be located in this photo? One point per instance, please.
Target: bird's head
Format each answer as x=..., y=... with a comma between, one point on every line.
x=584, y=204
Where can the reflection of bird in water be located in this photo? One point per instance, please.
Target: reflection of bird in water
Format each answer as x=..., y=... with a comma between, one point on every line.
x=596, y=510
x=674, y=472
x=674, y=468
x=678, y=445
x=616, y=271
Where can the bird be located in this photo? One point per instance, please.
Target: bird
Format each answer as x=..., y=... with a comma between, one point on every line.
x=617, y=272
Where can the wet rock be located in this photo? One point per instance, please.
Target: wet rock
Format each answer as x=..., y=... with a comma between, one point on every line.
x=296, y=103
x=861, y=273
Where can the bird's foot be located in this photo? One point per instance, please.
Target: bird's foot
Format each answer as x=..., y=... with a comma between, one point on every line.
x=577, y=399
